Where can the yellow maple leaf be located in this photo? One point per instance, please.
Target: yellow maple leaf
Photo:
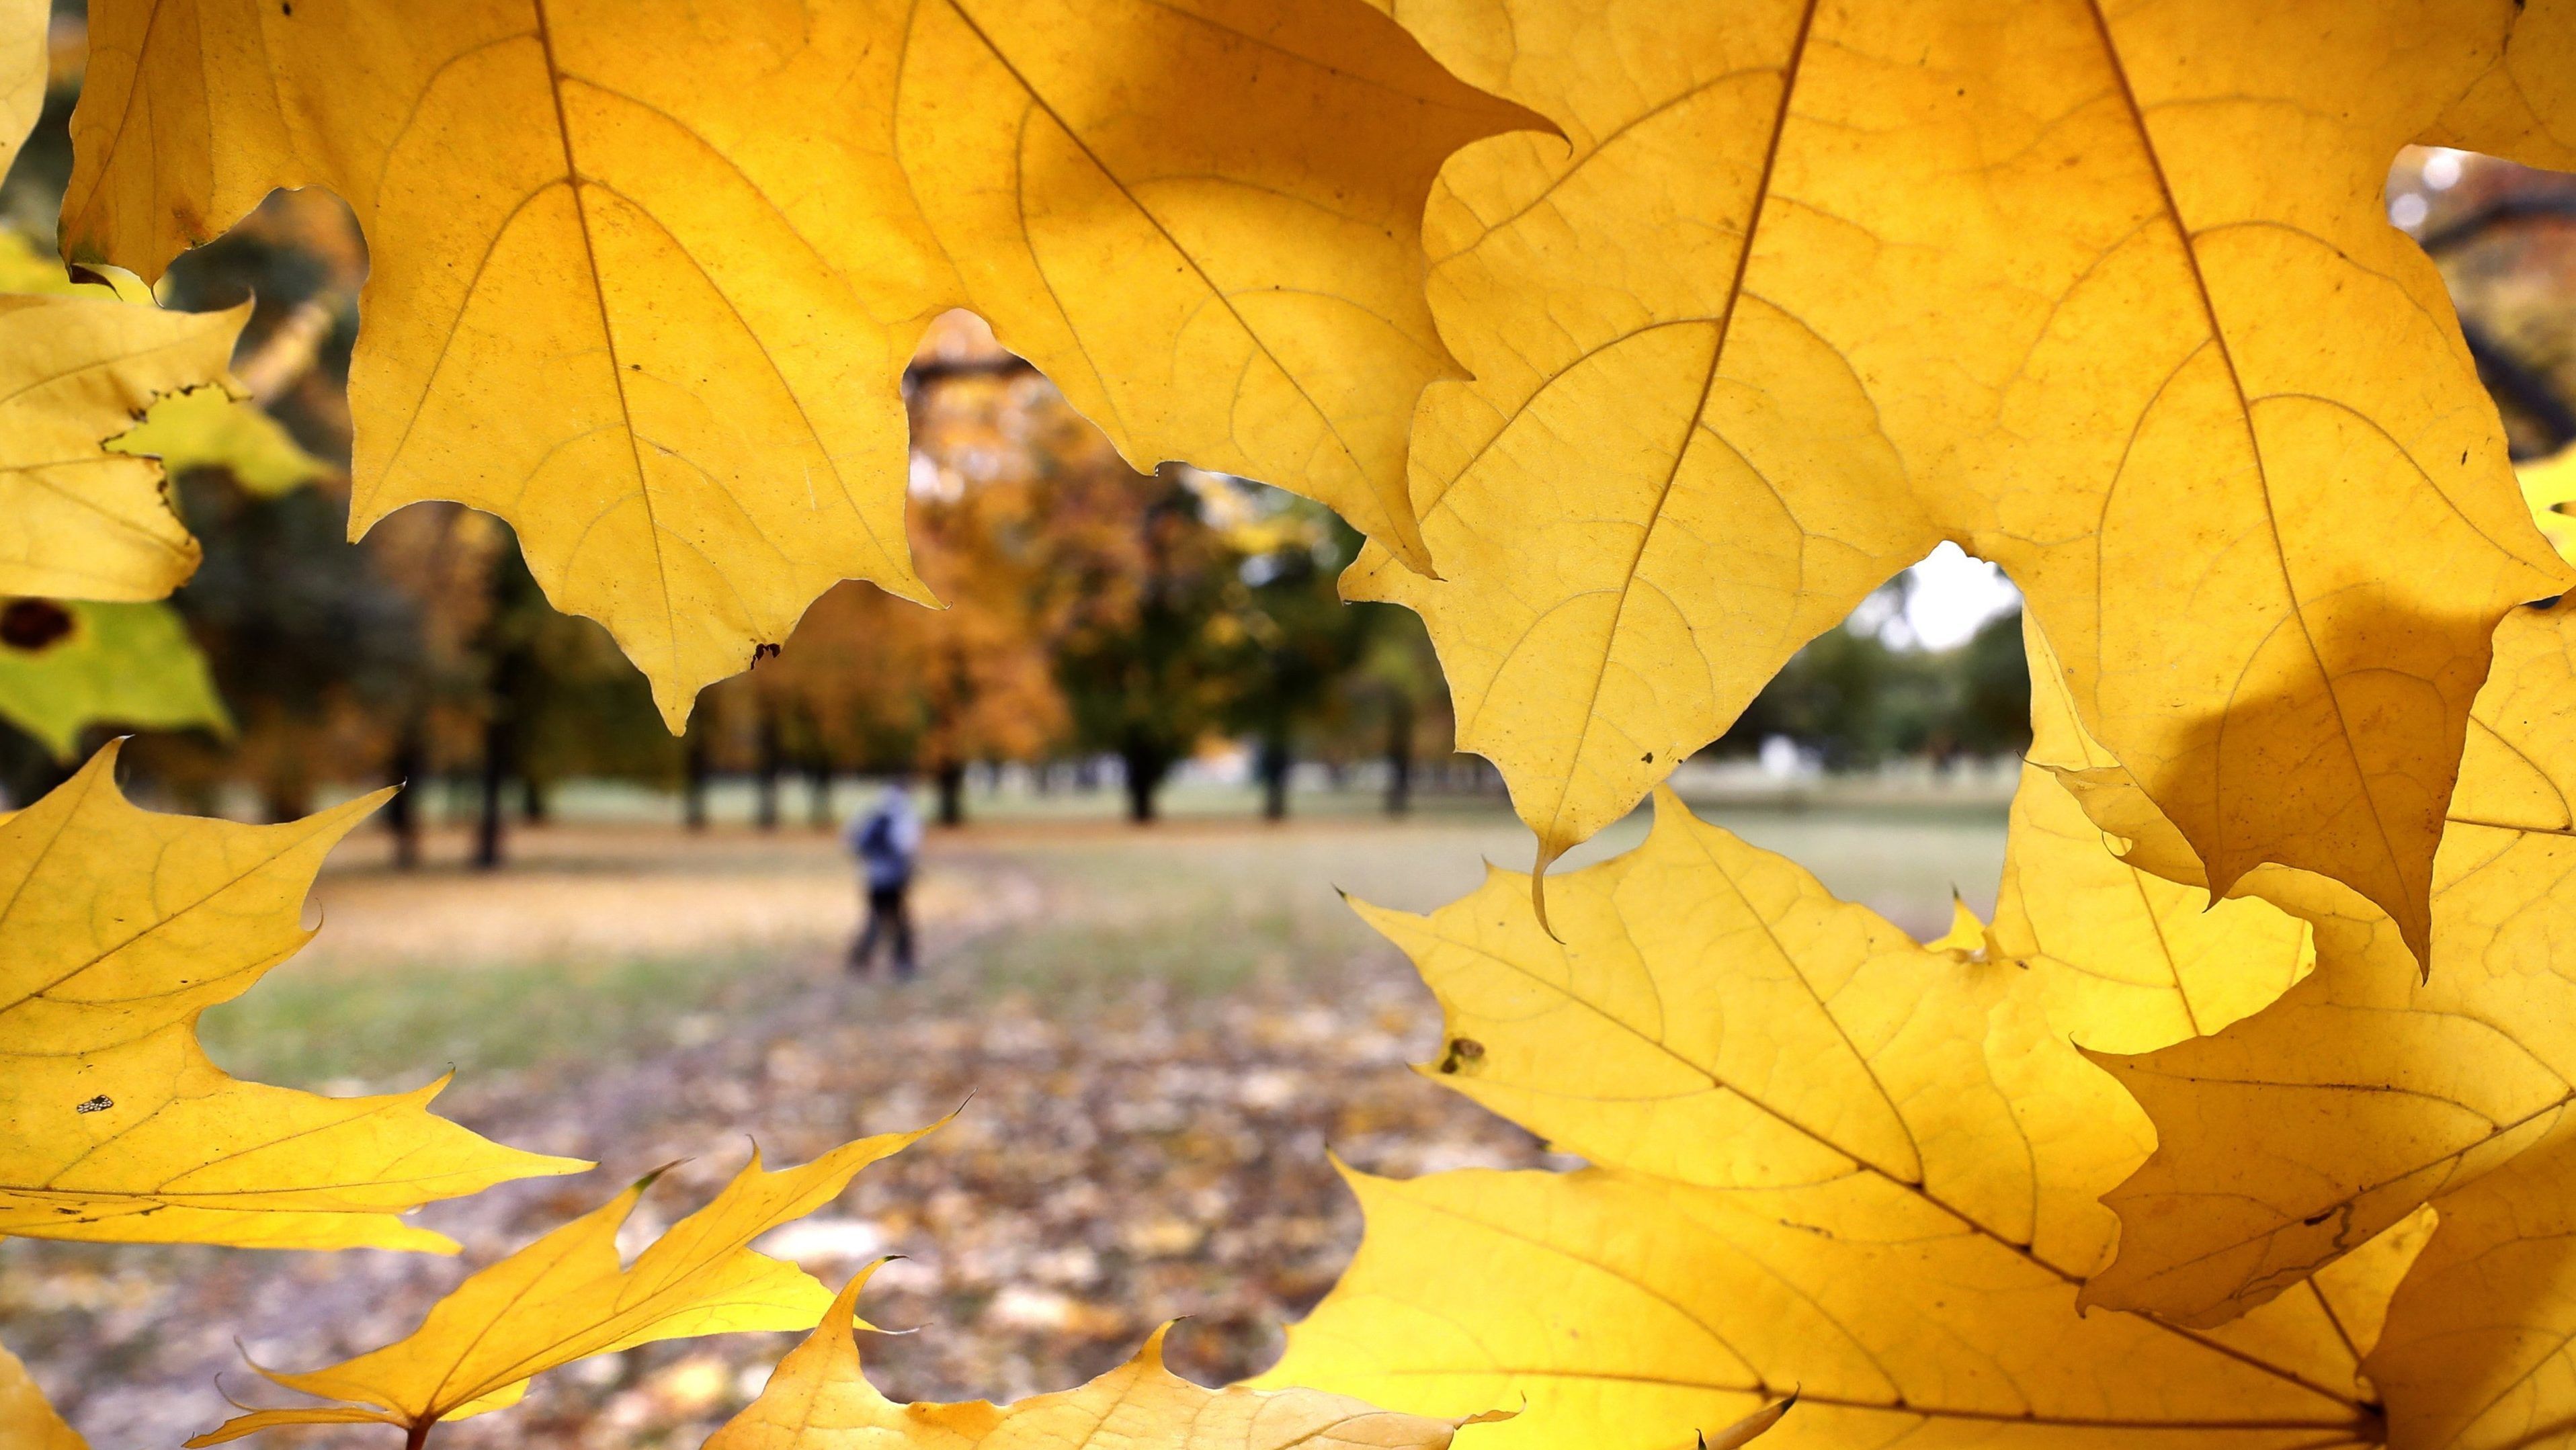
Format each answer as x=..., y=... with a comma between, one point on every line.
x=650, y=296
x=2548, y=486
x=66, y=666
x=566, y=1297
x=208, y=428
x=118, y=926
x=202, y=428
x=2104, y=293
x=23, y=62
x=2369, y=1089
x=820, y=1399
x=78, y=521
x=2129, y=960
x=27, y=1418
x=75, y=520
x=27, y=1421
x=1824, y=1158
x=2475, y=1352
x=2522, y=105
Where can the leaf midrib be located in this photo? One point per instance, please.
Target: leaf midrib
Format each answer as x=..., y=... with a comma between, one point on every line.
x=1549, y=840
x=2189, y=246
x=555, y=78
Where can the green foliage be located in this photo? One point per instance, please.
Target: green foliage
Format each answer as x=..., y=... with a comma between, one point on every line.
x=1858, y=701
x=67, y=666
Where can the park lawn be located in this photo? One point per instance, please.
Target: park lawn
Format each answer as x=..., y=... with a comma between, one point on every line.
x=1060, y=911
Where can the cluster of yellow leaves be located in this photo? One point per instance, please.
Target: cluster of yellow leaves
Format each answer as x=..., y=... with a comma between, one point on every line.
x=1824, y=1158
x=85, y=513
x=820, y=1400
x=2369, y=1088
x=566, y=1297
x=2102, y=291
x=118, y=927
x=205, y=427
x=76, y=520
x=1761, y=301
x=647, y=288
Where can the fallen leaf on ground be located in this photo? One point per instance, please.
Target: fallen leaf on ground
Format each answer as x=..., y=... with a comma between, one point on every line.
x=118, y=926
x=2105, y=294
x=566, y=1297
x=651, y=297
x=820, y=1399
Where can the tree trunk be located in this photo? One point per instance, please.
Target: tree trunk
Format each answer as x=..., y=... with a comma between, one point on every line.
x=771, y=764
x=951, y=778
x=496, y=775
x=402, y=813
x=1274, y=763
x=1399, y=757
x=28, y=771
x=287, y=785
x=818, y=793
x=1146, y=767
x=693, y=782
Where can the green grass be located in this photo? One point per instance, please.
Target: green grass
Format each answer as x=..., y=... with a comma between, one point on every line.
x=391, y=1026
x=1198, y=910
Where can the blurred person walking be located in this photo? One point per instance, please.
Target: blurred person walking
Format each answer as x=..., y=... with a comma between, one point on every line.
x=887, y=841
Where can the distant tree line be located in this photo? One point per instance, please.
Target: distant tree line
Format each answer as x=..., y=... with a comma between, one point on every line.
x=1855, y=700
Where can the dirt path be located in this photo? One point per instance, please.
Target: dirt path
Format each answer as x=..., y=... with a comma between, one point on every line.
x=591, y=893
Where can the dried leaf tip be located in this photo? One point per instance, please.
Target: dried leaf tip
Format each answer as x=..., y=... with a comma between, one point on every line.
x=1750, y=1427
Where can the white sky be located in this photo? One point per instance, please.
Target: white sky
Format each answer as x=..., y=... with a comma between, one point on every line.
x=1952, y=594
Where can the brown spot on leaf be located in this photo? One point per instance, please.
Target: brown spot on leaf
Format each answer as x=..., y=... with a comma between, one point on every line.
x=33, y=624
x=1462, y=1051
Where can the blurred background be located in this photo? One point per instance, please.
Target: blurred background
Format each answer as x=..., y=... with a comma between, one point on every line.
x=1150, y=741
